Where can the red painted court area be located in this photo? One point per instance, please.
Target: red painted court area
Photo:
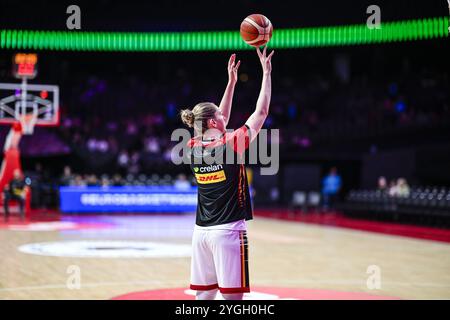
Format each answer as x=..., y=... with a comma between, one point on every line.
x=258, y=293
x=333, y=219
x=339, y=220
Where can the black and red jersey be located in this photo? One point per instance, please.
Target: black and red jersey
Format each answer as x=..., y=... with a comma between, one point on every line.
x=223, y=193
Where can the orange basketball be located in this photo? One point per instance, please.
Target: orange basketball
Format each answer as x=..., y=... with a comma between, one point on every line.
x=256, y=30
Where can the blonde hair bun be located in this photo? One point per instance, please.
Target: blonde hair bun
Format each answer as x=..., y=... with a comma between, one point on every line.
x=198, y=117
x=187, y=116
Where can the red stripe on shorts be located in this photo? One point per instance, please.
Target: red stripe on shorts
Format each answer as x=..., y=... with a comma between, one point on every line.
x=234, y=290
x=208, y=287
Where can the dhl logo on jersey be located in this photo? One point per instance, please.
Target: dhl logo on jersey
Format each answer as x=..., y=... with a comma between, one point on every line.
x=213, y=177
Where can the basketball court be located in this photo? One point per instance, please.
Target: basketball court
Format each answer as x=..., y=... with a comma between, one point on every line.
x=148, y=257
x=104, y=103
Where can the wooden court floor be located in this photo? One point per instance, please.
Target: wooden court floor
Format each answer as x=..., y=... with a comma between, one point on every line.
x=282, y=254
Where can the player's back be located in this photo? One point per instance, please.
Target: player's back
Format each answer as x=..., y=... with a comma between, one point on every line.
x=223, y=194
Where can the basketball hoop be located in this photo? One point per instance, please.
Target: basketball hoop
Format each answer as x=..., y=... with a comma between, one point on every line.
x=28, y=105
x=28, y=122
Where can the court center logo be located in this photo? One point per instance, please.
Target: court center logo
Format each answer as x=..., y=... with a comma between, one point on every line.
x=107, y=249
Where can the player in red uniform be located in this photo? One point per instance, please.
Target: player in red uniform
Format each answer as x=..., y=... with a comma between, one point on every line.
x=220, y=249
x=10, y=166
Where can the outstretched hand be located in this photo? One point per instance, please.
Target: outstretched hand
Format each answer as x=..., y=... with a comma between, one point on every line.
x=233, y=68
x=265, y=60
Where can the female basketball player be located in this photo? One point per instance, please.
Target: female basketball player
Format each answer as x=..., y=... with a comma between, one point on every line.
x=220, y=254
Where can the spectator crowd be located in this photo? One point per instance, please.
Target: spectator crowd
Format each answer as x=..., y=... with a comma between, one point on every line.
x=396, y=188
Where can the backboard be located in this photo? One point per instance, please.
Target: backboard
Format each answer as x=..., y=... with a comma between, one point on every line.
x=39, y=103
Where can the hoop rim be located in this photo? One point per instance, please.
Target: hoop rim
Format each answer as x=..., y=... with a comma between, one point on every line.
x=53, y=123
x=24, y=125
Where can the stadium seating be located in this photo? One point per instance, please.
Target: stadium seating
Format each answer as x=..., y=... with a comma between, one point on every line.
x=430, y=205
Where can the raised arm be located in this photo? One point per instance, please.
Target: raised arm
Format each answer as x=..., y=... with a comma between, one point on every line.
x=256, y=120
x=227, y=99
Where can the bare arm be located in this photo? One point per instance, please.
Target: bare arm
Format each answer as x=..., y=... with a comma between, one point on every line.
x=227, y=99
x=256, y=120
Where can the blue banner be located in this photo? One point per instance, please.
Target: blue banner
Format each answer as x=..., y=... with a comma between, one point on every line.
x=127, y=199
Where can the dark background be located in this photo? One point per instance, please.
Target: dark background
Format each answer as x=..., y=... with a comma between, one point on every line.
x=419, y=153
x=170, y=15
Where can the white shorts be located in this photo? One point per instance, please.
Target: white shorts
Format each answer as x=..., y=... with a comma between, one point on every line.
x=220, y=260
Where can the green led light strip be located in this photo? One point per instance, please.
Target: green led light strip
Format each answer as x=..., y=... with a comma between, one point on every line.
x=223, y=40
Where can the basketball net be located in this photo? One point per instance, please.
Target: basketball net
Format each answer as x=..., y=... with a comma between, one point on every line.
x=28, y=122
